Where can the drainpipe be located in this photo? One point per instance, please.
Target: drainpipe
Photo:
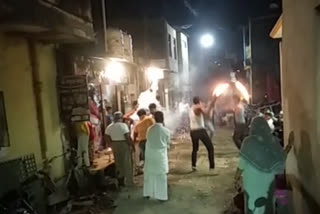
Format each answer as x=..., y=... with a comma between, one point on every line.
x=33, y=57
x=104, y=17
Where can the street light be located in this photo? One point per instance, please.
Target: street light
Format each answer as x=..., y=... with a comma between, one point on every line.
x=207, y=40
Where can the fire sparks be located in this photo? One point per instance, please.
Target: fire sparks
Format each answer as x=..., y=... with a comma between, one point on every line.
x=243, y=90
x=220, y=89
x=223, y=87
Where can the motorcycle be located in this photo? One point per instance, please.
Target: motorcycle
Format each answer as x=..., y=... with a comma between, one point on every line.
x=253, y=111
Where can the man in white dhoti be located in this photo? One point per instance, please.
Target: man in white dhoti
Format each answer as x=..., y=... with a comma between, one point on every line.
x=156, y=165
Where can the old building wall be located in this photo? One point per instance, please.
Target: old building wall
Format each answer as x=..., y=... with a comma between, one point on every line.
x=17, y=84
x=300, y=82
x=52, y=123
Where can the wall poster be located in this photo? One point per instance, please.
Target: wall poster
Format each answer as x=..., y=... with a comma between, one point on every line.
x=74, y=104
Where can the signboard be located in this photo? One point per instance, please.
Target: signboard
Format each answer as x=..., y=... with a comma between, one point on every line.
x=4, y=133
x=74, y=103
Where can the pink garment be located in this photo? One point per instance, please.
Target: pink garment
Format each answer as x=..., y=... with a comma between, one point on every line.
x=94, y=110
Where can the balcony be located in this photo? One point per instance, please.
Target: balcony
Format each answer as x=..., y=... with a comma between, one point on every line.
x=57, y=21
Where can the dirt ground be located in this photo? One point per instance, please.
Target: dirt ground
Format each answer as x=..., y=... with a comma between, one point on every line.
x=201, y=192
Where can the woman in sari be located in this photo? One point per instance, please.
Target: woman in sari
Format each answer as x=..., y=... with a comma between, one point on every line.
x=261, y=158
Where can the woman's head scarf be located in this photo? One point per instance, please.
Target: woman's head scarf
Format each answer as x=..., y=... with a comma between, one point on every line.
x=261, y=148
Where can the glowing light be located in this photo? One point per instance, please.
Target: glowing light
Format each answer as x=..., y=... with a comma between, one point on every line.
x=146, y=98
x=207, y=41
x=243, y=90
x=154, y=73
x=114, y=71
x=220, y=89
x=150, y=95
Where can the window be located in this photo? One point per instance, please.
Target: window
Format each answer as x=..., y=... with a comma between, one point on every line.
x=170, y=45
x=175, y=48
x=4, y=133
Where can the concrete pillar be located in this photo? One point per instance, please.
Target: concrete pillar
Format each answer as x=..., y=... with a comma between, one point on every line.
x=301, y=100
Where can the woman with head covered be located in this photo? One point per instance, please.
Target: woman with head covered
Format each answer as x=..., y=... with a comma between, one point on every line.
x=261, y=158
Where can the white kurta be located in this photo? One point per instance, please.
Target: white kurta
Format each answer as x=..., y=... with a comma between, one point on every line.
x=156, y=165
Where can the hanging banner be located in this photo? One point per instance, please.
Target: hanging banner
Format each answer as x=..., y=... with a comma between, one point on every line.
x=74, y=103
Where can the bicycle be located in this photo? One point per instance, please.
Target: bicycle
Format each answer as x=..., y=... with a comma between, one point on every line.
x=60, y=194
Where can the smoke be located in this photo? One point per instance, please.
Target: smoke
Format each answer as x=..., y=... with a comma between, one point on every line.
x=177, y=120
x=174, y=119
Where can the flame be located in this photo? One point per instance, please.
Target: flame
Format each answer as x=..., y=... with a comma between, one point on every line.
x=244, y=92
x=220, y=89
x=150, y=95
x=223, y=87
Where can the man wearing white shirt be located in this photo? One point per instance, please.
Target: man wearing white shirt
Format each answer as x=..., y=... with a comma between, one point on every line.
x=198, y=132
x=118, y=136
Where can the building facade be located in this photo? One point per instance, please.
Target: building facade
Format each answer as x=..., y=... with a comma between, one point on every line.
x=28, y=72
x=298, y=28
x=261, y=60
x=156, y=44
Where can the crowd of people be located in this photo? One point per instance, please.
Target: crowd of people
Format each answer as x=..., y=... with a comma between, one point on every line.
x=142, y=146
x=148, y=140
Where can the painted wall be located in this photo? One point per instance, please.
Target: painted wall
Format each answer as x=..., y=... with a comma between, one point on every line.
x=16, y=83
x=301, y=100
x=53, y=127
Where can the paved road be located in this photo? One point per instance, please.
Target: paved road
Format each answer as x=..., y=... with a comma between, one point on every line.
x=202, y=192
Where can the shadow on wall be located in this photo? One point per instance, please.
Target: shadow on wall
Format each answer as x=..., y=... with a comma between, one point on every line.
x=306, y=170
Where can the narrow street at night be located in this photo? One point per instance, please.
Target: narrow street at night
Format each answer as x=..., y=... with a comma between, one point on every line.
x=159, y=106
x=189, y=191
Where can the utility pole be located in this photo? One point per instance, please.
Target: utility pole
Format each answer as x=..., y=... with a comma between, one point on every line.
x=104, y=17
x=247, y=57
x=250, y=62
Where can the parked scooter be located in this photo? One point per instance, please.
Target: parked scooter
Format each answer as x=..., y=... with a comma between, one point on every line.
x=274, y=120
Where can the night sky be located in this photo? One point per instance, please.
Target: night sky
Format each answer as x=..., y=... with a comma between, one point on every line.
x=222, y=18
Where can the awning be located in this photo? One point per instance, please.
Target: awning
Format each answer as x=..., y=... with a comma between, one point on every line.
x=276, y=32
